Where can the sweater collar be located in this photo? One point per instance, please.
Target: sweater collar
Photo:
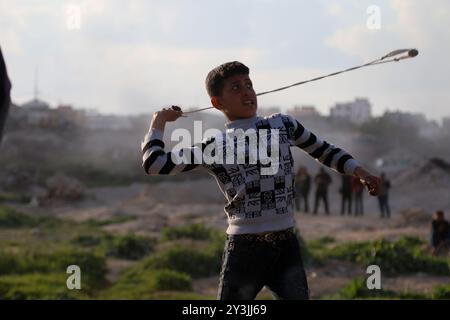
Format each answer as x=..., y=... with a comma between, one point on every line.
x=242, y=123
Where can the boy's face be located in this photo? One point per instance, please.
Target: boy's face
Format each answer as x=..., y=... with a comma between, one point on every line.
x=238, y=99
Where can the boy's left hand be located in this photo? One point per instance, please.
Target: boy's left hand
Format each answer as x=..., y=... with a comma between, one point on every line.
x=371, y=182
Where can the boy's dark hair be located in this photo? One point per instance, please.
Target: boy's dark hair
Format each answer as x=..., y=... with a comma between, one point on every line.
x=216, y=77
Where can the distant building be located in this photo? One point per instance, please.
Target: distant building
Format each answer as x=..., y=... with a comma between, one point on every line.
x=38, y=113
x=36, y=104
x=65, y=115
x=428, y=129
x=406, y=118
x=358, y=111
x=35, y=112
x=97, y=121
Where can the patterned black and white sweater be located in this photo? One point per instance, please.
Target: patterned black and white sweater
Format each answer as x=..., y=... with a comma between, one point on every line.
x=256, y=201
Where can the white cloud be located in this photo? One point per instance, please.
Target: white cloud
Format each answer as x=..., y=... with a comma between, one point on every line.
x=334, y=9
x=359, y=41
x=420, y=84
x=417, y=22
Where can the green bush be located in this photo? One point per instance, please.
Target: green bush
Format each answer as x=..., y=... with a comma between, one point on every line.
x=14, y=197
x=50, y=222
x=128, y=246
x=441, y=292
x=184, y=258
x=93, y=266
x=87, y=240
x=193, y=262
x=321, y=242
x=196, y=231
x=394, y=258
x=10, y=218
x=38, y=286
x=410, y=242
x=114, y=220
x=216, y=246
x=166, y=280
x=357, y=289
x=9, y=263
x=145, y=284
x=313, y=251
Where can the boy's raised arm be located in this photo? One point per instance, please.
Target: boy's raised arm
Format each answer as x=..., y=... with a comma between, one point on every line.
x=155, y=160
x=165, y=115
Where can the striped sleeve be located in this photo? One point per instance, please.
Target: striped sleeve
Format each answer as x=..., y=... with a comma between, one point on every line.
x=324, y=152
x=156, y=161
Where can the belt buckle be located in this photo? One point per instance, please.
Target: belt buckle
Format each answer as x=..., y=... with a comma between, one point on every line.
x=267, y=237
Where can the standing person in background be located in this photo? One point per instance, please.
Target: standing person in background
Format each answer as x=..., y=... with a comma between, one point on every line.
x=322, y=180
x=440, y=232
x=302, y=187
x=357, y=189
x=346, y=194
x=383, y=196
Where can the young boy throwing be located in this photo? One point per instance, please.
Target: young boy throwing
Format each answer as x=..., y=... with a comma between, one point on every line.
x=261, y=247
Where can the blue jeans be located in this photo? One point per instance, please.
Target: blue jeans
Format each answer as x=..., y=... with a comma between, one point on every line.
x=249, y=265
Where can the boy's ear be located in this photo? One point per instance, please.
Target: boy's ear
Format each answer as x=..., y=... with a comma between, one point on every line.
x=216, y=103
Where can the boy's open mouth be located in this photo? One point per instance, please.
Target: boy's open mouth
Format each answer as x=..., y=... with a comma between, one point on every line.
x=249, y=103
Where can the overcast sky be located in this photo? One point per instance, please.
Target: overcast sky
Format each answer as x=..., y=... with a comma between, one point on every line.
x=136, y=56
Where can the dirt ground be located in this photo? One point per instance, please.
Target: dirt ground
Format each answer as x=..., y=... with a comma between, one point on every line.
x=155, y=206
x=172, y=204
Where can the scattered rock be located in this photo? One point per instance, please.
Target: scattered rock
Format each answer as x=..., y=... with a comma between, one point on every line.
x=414, y=217
x=62, y=187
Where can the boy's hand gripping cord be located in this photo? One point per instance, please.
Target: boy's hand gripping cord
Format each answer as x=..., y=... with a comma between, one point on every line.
x=393, y=56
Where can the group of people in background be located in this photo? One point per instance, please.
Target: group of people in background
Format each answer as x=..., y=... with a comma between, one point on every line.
x=351, y=190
